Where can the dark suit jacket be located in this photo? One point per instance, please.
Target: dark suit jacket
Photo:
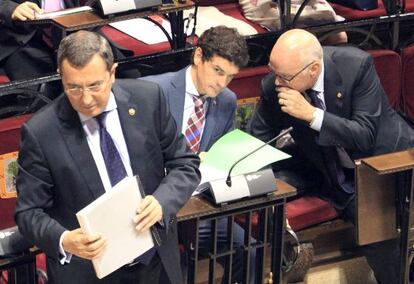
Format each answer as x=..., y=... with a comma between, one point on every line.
x=358, y=116
x=221, y=109
x=15, y=34
x=58, y=176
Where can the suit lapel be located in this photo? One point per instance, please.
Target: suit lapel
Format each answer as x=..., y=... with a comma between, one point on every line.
x=334, y=90
x=130, y=117
x=211, y=120
x=77, y=145
x=176, y=97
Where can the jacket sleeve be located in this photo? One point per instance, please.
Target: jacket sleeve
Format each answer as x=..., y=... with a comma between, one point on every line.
x=359, y=131
x=35, y=196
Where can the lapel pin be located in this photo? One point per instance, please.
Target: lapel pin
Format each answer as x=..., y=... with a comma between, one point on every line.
x=131, y=111
x=339, y=95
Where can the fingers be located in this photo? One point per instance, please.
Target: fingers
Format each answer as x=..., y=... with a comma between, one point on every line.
x=26, y=11
x=83, y=245
x=149, y=212
x=202, y=156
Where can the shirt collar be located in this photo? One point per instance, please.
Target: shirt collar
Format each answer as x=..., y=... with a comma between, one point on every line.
x=190, y=88
x=109, y=107
x=319, y=87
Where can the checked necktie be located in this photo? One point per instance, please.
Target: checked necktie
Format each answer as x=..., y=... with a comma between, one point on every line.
x=116, y=170
x=195, y=124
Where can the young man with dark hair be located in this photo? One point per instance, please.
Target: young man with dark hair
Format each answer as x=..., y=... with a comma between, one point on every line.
x=204, y=109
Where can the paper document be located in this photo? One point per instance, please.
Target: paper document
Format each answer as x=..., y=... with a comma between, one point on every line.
x=144, y=30
x=63, y=12
x=230, y=148
x=112, y=216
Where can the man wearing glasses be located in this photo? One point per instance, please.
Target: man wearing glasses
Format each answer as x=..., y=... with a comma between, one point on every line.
x=82, y=145
x=339, y=111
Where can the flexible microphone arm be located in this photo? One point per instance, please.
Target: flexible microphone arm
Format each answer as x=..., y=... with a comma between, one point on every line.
x=281, y=134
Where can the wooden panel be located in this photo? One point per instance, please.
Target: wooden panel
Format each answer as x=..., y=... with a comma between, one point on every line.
x=375, y=206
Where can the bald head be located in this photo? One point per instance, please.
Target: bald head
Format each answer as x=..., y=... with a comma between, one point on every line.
x=296, y=59
x=299, y=44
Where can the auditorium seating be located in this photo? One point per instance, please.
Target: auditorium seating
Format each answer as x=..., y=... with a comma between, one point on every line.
x=407, y=56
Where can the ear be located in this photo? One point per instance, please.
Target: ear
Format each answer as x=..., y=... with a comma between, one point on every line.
x=113, y=69
x=198, y=56
x=315, y=69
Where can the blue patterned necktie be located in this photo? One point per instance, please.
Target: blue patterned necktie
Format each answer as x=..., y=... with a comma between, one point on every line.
x=315, y=100
x=116, y=170
x=113, y=162
x=331, y=155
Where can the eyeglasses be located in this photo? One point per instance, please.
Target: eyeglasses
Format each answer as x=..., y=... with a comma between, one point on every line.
x=92, y=89
x=288, y=80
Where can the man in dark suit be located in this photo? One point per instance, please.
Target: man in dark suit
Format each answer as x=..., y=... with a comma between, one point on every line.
x=26, y=51
x=333, y=98
x=219, y=55
x=23, y=52
x=71, y=150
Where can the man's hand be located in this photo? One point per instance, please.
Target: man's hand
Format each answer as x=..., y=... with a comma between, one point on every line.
x=202, y=156
x=82, y=245
x=294, y=103
x=26, y=11
x=148, y=213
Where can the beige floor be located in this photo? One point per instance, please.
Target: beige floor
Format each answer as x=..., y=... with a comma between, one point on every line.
x=353, y=271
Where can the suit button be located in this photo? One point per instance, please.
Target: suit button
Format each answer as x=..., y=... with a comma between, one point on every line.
x=339, y=95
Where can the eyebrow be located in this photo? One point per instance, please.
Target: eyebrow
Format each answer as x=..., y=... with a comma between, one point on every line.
x=92, y=84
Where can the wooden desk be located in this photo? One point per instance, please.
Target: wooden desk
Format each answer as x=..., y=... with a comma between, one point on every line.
x=381, y=182
x=90, y=20
x=197, y=209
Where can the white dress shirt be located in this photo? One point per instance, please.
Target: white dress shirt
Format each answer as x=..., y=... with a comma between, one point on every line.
x=91, y=129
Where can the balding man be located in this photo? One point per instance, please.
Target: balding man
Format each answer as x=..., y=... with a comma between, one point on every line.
x=333, y=98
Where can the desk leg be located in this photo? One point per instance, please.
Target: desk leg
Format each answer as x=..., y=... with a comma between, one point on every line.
x=193, y=257
x=407, y=187
x=177, y=29
x=277, y=242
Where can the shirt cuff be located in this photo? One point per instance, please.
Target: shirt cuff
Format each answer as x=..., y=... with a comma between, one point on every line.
x=64, y=256
x=316, y=123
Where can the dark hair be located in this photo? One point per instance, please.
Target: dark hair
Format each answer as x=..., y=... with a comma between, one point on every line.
x=224, y=42
x=79, y=48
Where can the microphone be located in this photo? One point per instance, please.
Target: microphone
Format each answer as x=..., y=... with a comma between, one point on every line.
x=281, y=134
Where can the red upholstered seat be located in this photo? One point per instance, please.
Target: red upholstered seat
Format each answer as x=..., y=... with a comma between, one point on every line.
x=9, y=142
x=354, y=14
x=247, y=83
x=409, y=6
x=309, y=210
x=407, y=56
x=4, y=79
x=388, y=66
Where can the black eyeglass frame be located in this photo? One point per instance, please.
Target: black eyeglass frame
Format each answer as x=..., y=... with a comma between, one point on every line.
x=293, y=76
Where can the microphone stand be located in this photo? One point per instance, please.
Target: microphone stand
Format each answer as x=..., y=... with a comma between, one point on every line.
x=281, y=134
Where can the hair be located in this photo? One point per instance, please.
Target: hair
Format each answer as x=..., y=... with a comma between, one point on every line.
x=224, y=42
x=79, y=48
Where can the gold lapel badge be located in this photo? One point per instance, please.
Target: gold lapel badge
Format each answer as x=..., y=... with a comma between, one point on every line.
x=131, y=111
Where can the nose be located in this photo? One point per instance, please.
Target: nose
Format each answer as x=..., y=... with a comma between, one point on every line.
x=280, y=82
x=86, y=98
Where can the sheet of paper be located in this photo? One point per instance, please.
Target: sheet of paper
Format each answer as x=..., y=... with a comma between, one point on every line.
x=210, y=16
x=63, y=12
x=112, y=216
x=144, y=30
x=230, y=148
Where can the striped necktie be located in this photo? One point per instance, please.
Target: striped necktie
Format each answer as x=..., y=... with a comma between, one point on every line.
x=195, y=124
